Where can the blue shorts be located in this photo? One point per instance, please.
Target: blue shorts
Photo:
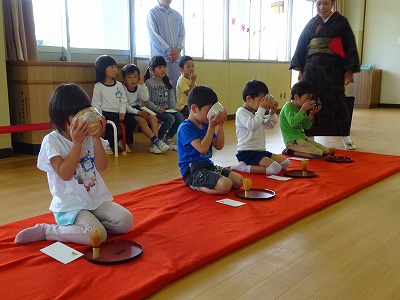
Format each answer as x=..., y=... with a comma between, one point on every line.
x=67, y=217
x=204, y=174
x=251, y=157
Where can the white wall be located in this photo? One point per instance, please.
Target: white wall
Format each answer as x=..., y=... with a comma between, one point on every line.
x=381, y=47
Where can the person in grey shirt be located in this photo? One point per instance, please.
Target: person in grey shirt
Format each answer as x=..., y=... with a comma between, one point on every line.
x=162, y=100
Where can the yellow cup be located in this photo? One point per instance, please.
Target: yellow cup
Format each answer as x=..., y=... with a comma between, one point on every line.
x=304, y=164
x=247, y=183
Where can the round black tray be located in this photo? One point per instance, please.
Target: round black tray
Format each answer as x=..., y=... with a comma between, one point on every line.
x=338, y=159
x=300, y=174
x=256, y=194
x=115, y=252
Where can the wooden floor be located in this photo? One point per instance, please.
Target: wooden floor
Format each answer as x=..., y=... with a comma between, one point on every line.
x=348, y=250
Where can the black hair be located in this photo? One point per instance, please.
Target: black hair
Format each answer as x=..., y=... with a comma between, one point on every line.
x=155, y=62
x=184, y=59
x=253, y=88
x=300, y=88
x=67, y=100
x=130, y=69
x=101, y=64
x=202, y=95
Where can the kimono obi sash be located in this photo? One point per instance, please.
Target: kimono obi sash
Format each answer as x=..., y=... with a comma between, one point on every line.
x=326, y=45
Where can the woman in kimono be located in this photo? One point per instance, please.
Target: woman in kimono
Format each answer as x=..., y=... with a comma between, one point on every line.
x=326, y=55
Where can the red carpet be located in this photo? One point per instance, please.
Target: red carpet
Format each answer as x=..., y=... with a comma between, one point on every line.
x=180, y=230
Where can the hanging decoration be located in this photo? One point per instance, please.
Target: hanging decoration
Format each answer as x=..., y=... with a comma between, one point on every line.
x=277, y=7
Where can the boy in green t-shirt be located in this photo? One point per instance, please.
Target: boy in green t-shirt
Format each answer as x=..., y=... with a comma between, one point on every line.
x=297, y=116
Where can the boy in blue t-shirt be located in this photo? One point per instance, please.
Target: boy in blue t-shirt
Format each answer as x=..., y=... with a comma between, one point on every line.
x=196, y=136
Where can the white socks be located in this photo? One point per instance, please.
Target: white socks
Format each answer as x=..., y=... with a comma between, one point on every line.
x=348, y=143
x=347, y=139
x=32, y=234
x=285, y=164
x=241, y=167
x=273, y=168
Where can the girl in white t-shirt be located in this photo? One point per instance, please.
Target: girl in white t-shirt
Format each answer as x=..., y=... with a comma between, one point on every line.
x=109, y=99
x=72, y=158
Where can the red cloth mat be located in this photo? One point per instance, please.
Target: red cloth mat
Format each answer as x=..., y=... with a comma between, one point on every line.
x=180, y=230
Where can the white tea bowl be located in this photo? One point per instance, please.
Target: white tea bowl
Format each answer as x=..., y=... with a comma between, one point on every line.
x=214, y=110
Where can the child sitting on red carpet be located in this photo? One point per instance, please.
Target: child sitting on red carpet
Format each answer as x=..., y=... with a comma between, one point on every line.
x=296, y=116
x=257, y=114
x=72, y=157
x=196, y=136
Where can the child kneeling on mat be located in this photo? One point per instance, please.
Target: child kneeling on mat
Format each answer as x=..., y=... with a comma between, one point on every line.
x=196, y=136
x=296, y=116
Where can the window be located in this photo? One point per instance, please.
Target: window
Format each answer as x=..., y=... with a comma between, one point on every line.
x=215, y=29
x=193, y=16
x=141, y=45
x=239, y=28
x=95, y=24
x=99, y=24
x=50, y=27
x=275, y=33
x=258, y=30
x=303, y=11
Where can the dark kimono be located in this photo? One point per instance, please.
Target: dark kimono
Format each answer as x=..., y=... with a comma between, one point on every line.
x=326, y=72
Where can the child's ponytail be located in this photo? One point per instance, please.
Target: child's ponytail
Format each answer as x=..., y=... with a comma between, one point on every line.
x=167, y=82
x=147, y=75
x=156, y=61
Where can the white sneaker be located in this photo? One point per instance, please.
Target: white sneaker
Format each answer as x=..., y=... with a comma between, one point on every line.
x=127, y=149
x=154, y=149
x=348, y=143
x=161, y=145
x=109, y=150
x=349, y=146
x=171, y=145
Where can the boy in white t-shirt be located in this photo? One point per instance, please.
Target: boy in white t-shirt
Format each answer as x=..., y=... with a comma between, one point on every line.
x=257, y=113
x=136, y=92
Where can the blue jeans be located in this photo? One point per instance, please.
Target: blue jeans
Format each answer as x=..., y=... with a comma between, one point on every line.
x=171, y=122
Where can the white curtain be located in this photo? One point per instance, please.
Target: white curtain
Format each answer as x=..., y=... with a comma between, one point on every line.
x=339, y=6
x=19, y=27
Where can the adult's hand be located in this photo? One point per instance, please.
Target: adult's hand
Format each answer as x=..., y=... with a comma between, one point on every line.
x=300, y=76
x=173, y=54
x=348, y=77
